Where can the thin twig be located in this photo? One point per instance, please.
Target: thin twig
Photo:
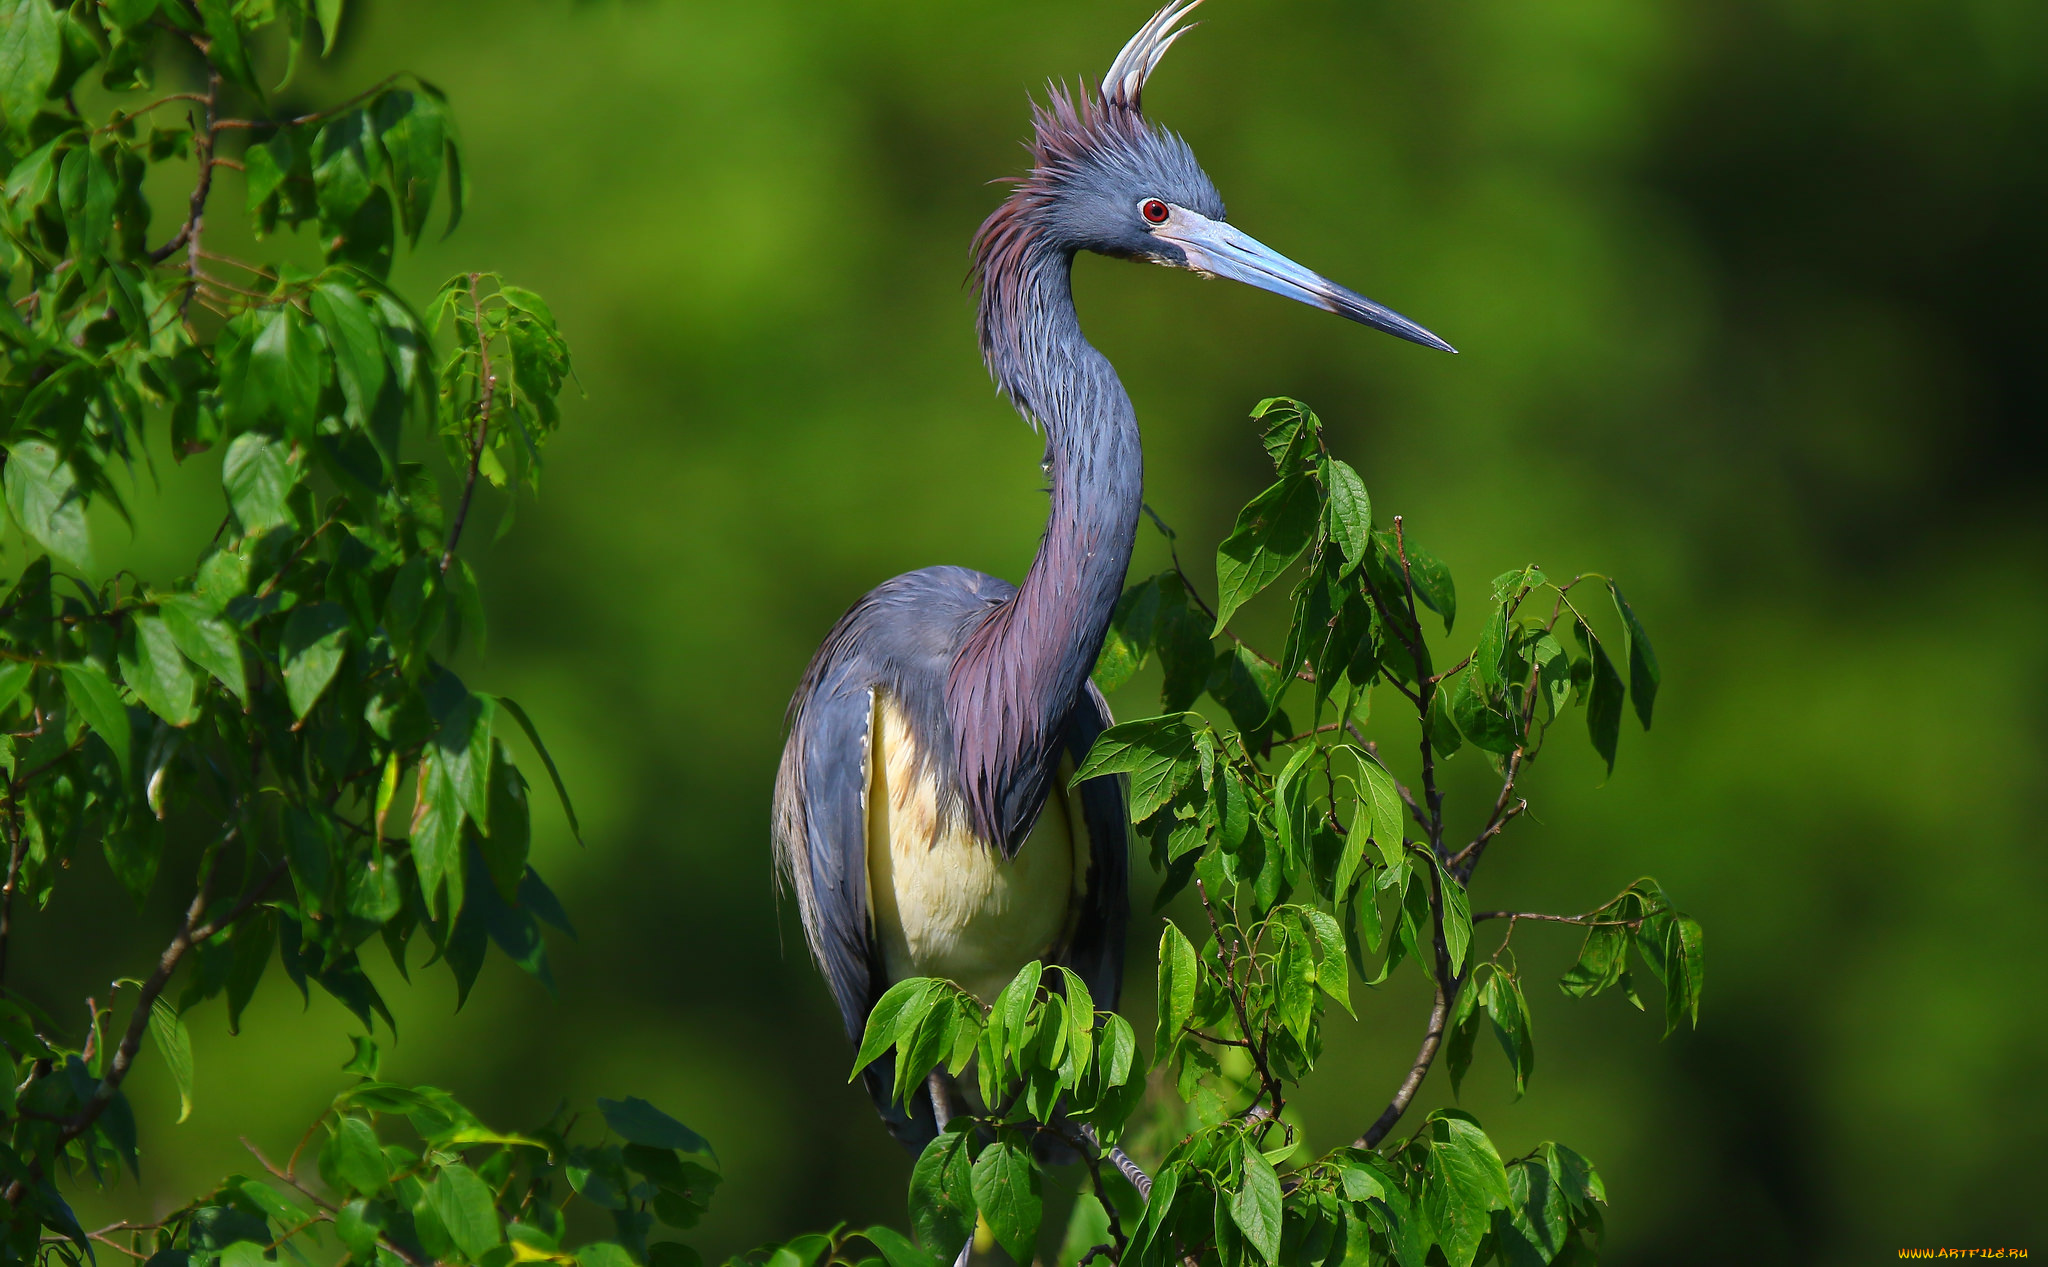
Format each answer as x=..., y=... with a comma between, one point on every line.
x=483, y=423
x=17, y=847
x=1269, y=1085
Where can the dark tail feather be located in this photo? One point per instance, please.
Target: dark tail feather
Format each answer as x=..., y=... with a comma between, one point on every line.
x=913, y=1129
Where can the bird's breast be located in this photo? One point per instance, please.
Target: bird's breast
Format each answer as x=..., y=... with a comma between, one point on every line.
x=946, y=903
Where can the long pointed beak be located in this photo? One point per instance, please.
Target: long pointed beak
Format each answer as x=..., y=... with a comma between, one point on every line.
x=1211, y=246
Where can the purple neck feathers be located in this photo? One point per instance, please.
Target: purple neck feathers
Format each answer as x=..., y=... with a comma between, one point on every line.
x=1015, y=680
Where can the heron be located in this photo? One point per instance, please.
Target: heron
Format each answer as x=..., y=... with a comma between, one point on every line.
x=923, y=812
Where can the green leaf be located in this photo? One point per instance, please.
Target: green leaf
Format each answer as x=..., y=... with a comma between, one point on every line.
x=436, y=833
x=273, y=375
x=224, y=42
x=533, y=737
x=1388, y=815
x=315, y=640
x=1478, y=716
x=1255, y=1206
x=206, y=639
x=31, y=49
x=467, y=1213
x=1271, y=533
x=1350, y=512
x=329, y=13
x=359, y=364
x=1178, y=978
x=903, y=1003
x=1006, y=1192
x=1433, y=583
x=1457, y=918
x=1465, y=1182
x=1603, y=705
x=174, y=1043
x=1603, y=956
x=1643, y=674
x=156, y=671
x=352, y=1158
x=1462, y=1029
x=92, y=693
x=638, y=1122
x=942, y=1192
x=409, y=127
x=1157, y=752
x=1508, y=1010
x=897, y=1251
x=505, y=848
x=259, y=473
x=44, y=494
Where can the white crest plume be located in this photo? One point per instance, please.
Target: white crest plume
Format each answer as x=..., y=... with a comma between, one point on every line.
x=1125, y=81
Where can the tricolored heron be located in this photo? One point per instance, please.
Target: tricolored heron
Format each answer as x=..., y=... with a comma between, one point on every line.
x=922, y=810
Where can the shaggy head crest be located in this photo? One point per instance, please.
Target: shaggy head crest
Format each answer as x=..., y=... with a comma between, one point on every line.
x=1094, y=160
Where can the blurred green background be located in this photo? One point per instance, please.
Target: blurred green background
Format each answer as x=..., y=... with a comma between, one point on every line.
x=1749, y=296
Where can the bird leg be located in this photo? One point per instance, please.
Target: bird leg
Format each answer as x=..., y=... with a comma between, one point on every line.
x=942, y=1099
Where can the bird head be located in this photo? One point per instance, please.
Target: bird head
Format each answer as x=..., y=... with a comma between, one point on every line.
x=1105, y=179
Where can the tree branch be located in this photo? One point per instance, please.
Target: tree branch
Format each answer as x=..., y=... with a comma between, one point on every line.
x=16, y=847
x=1432, y=1039
x=1269, y=1086
x=190, y=933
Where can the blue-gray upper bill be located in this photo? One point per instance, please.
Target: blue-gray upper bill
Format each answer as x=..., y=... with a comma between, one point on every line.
x=1211, y=246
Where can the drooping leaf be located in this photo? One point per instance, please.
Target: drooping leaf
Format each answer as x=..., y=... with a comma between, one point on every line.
x=1271, y=533
x=1603, y=703
x=1006, y=1193
x=942, y=1209
x=174, y=1044
x=1643, y=674
x=92, y=693
x=639, y=1122
x=1255, y=1206
x=1350, y=512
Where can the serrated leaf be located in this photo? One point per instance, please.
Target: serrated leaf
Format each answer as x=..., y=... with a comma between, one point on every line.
x=1178, y=978
x=1005, y=1185
x=942, y=1209
x=1272, y=532
x=1157, y=752
x=1256, y=1205
x=1350, y=513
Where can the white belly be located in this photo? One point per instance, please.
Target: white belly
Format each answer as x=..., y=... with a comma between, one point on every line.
x=946, y=904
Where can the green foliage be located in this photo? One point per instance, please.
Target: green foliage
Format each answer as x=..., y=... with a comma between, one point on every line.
x=1310, y=858
x=286, y=707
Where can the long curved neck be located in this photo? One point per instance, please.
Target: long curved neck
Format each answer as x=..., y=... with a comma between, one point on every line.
x=1016, y=679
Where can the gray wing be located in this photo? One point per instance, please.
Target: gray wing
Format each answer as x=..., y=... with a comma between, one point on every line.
x=1097, y=951
x=821, y=844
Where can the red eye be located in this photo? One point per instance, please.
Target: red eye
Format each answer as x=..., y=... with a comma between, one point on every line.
x=1154, y=210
